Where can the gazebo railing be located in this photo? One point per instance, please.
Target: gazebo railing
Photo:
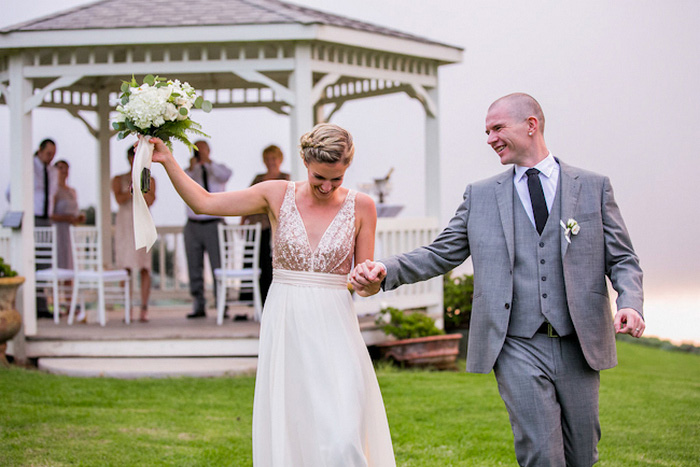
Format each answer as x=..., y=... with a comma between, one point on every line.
x=396, y=236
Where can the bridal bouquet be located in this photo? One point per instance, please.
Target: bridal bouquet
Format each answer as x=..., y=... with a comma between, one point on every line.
x=159, y=107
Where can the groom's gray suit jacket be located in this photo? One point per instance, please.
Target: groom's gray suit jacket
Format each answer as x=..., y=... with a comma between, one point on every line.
x=483, y=227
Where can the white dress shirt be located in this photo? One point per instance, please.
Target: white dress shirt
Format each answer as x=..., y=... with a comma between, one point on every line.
x=549, y=176
x=217, y=176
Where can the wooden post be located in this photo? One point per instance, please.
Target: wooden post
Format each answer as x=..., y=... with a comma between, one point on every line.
x=22, y=199
x=301, y=116
x=103, y=213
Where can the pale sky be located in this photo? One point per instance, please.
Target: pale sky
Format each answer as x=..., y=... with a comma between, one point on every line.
x=618, y=82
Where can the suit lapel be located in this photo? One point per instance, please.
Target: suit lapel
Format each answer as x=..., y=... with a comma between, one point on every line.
x=504, y=197
x=570, y=189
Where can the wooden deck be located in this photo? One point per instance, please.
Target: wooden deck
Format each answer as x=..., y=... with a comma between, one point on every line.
x=167, y=334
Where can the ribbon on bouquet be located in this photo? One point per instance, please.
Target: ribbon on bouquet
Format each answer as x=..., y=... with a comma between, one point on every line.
x=144, y=229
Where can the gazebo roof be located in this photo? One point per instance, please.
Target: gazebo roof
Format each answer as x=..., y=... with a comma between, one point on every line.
x=105, y=15
x=109, y=14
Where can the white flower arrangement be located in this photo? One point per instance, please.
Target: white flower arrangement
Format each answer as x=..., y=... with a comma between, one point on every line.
x=159, y=107
x=570, y=228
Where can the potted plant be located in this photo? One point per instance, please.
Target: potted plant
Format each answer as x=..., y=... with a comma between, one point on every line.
x=417, y=340
x=10, y=319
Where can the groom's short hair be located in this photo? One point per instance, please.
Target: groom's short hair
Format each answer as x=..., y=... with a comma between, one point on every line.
x=522, y=106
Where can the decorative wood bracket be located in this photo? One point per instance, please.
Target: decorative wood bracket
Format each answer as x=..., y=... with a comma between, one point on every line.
x=320, y=87
x=256, y=77
x=93, y=131
x=421, y=94
x=36, y=99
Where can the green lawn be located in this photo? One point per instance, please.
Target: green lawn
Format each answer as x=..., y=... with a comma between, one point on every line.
x=650, y=413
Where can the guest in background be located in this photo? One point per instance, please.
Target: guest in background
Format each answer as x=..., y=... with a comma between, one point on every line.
x=272, y=158
x=127, y=257
x=65, y=213
x=45, y=185
x=201, y=231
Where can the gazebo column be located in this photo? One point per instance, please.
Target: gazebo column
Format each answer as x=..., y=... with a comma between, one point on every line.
x=301, y=117
x=432, y=155
x=103, y=214
x=22, y=197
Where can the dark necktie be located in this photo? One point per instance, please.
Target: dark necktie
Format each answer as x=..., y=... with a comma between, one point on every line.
x=46, y=192
x=539, y=205
x=205, y=178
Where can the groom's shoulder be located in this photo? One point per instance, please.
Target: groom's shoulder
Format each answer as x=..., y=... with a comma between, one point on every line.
x=582, y=174
x=488, y=183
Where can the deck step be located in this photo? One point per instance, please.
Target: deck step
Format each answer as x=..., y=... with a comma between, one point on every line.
x=132, y=368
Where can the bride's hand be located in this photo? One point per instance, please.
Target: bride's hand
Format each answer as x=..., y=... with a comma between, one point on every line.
x=161, y=153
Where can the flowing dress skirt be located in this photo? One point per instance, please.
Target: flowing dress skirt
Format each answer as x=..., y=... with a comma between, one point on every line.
x=317, y=400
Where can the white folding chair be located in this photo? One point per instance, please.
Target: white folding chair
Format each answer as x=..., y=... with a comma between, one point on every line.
x=89, y=272
x=239, y=247
x=50, y=276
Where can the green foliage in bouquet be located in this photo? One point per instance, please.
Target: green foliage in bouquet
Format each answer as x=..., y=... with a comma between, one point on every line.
x=407, y=325
x=457, y=300
x=159, y=107
x=5, y=269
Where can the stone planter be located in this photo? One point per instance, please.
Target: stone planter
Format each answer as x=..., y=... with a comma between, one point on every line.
x=10, y=319
x=438, y=351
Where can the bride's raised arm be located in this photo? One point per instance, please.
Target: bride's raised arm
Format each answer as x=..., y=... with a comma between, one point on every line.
x=251, y=200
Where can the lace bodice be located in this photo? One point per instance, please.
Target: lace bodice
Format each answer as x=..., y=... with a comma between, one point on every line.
x=291, y=247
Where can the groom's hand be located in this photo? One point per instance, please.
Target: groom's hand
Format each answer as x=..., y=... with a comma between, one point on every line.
x=628, y=321
x=367, y=278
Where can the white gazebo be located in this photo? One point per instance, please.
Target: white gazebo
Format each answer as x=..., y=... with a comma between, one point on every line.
x=292, y=60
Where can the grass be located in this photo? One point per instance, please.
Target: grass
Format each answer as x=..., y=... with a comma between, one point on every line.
x=650, y=414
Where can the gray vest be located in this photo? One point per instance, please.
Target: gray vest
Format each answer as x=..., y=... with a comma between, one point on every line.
x=539, y=292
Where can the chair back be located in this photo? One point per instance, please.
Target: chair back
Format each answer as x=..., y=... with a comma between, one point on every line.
x=45, y=246
x=86, y=245
x=239, y=246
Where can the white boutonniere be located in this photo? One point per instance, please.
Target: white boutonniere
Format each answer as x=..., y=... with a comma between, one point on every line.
x=570, y=228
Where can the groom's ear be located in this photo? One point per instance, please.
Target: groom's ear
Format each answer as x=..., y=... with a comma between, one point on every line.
x=532, y=124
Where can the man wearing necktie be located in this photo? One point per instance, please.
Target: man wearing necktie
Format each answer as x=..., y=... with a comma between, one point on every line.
x=45, y=186
x=542, y=236
x=201, y=231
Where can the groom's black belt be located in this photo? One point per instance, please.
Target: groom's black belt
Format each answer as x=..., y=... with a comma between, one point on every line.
x=547, y=329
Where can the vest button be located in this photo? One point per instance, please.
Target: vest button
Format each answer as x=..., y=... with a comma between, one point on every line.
x=544, y=295
x=541, y=244
x=544, y=278
x=507, y=306
x=542, y=261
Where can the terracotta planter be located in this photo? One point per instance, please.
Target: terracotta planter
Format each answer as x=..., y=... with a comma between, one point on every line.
x=10, y=319
x=438, y=351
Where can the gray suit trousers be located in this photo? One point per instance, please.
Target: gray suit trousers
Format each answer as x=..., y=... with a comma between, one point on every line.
x=551, y=394
x=201, y=237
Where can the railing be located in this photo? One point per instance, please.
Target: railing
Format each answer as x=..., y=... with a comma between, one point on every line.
x=395, y=236
x=5, y=243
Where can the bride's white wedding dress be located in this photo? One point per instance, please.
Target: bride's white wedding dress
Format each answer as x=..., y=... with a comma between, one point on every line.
x=317, y=401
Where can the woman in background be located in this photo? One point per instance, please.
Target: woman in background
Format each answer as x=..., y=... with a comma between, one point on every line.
x=127, y=257
x=272, y=158
x=65, y=213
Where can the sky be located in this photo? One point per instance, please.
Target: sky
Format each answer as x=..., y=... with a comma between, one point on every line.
x=618, y=82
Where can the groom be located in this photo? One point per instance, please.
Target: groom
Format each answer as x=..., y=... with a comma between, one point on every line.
x=542, y=236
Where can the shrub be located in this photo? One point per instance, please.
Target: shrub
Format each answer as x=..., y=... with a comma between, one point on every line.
x=457, y=300
x=407, y=325
x=5, y=269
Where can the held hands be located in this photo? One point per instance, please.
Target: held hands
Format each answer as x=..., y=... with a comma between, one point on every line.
x=628, y=321
x=367, y=278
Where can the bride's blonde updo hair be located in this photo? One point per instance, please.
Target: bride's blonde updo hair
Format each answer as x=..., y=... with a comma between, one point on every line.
x=327, y=143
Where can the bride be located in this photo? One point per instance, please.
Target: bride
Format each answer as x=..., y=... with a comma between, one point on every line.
x=317, y=400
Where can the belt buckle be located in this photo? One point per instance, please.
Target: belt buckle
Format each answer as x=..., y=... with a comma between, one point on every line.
x=550, y=331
